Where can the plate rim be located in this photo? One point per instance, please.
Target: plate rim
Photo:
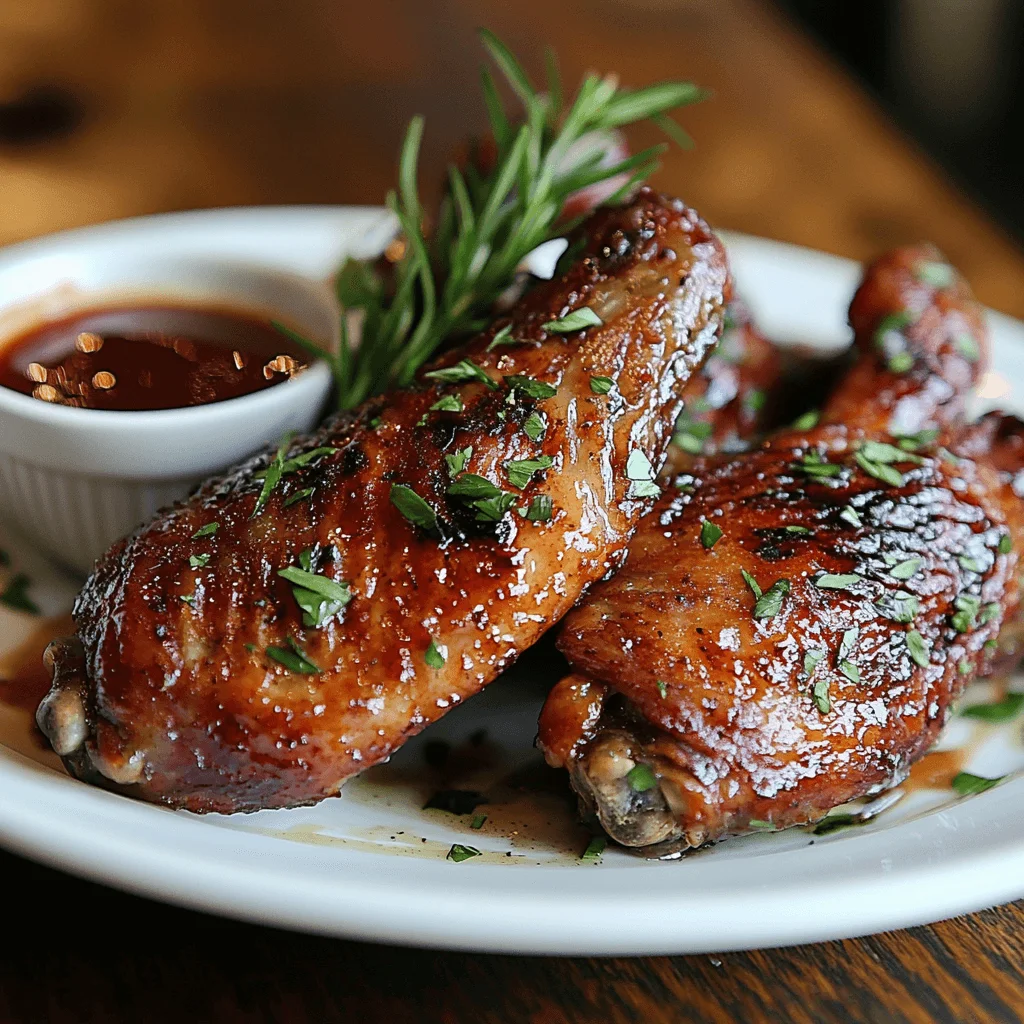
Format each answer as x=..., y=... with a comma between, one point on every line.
x=53, y=819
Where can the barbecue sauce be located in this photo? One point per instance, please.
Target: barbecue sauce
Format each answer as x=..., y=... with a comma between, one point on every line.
x=149, y=357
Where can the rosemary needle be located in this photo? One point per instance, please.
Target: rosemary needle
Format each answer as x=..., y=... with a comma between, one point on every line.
x=445, y=285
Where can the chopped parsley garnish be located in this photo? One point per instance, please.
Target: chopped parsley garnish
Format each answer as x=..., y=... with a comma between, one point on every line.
x=967, y=784
x=850, y=515
x=459, y=853
x=319, y=597
x=198, y=561
x=521, y=471
x=492, y=510
x=769, y=604
x=478, y=821
x=968, y=347
x=807, y=420
x=577, y=320
x=456, y=462
x=534, y=426
x=531, y=386
x=918, y=649
x=990, y=645
x=189, y=599
x=814, y=464
x=758, y=823
x=710, y=534
x=877, y=459
x=293, y=657
x=15, y=595
x=882, y=451
x=464, y=370
x=640, y=471
x=883, y=471
x=435, y=656
x=662, y=688
x=752, y=583
x=967, y=608
x=754, y=400
x=850, y=670
x=281, y=467
x=691, y=434
x=1004, y=710
x=835, y=822
x=889, y=335
x=913, y=442
x=206, y=531
x=1005, y=544
x=900, y=362
x=989, y=613
x=800, y=531
x=294, y=499
x=539, y=509
x=449, y=403
x=938, y=275
x=641, y=778
x=503, y=337
x=688, y=441
x=848, y=643
x=473, y=487
x=837, y=580
x=812, y=659
x=596, y=846
x=904, y=570
x=601, y=385
x=646, y=489
x=899, y=606
x=414, y=508
x=820, y=696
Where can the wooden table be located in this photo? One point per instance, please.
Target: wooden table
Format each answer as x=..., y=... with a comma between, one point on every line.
x=215, y=102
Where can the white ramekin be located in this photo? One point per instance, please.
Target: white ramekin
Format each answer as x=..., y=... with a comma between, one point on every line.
x=75, y=480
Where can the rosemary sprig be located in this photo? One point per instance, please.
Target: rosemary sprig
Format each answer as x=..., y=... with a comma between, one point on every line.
x=444, y=285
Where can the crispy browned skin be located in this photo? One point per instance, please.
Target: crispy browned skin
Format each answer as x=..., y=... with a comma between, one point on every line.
x=733, y=398
x=735, y=721
x=173, y=693
x=998, y=440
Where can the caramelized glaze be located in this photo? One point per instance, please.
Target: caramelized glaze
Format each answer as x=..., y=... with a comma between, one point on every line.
x=172, y=691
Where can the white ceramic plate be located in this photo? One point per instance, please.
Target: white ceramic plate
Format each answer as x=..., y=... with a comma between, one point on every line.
x=372, y=863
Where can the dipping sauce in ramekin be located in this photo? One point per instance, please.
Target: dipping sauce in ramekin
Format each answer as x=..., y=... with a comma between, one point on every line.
x=136, y=345
x=148, y=358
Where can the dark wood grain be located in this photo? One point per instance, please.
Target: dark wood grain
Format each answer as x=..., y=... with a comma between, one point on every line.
x=218, y=102
x=85, y=953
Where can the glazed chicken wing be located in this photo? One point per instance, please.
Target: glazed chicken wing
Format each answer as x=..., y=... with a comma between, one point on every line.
x=299, y=618
x=733, y=398
x=792, y=624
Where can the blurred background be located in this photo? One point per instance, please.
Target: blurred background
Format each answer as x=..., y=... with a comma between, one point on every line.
x=844, y=126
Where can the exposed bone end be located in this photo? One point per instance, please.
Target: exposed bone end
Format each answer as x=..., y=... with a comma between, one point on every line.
x=61, y=714
x=63, y=718
x=634, y=819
